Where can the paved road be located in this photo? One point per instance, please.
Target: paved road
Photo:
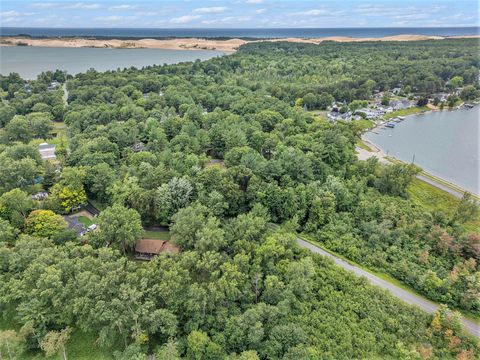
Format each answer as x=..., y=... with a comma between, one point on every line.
x=400, y=293
x=440, y=186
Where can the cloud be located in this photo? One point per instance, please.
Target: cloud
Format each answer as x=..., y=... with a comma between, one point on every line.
x=115, y=19
x=83, y=6
x=254, y=1
x=44, y=5
x=320, y=12
x=406, y=17
x=60, y=5
x=227, y=20
x=150, y=13
x=381, y=10
x=184, y=19
x=12, y=13
x=260, y=11
x=210, y=10
x=12, y=16
x=313, y=12
x=122, y=7
x=48, y=20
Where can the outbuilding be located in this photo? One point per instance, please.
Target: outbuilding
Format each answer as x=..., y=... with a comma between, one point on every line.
x=46, y=151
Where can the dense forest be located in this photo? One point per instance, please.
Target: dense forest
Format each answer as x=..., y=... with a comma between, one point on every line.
x=217, y=151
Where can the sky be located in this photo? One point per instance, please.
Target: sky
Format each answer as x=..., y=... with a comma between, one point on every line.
x=239, y=13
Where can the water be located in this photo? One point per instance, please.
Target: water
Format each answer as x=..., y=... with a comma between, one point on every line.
x=29, y=61
x=445, y=144
x=245, y=33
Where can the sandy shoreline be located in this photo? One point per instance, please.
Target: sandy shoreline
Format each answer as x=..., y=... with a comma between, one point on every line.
x=191, y=43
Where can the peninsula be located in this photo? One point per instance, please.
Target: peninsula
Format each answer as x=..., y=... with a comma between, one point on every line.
x=190, y=43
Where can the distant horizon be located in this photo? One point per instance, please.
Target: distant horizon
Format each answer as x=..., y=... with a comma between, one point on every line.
x=240, y=28
x=245, y=33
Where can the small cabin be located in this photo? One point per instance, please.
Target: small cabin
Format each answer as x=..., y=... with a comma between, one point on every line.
x=147, y=249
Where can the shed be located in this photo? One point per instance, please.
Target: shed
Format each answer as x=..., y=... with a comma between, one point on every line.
x=46, y=151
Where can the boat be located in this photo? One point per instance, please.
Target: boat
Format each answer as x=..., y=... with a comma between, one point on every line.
x=469, y=106
x=390, y=125
x=401, y=117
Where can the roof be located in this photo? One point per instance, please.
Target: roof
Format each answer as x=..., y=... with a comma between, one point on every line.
x=46, y=151
x=152, y=246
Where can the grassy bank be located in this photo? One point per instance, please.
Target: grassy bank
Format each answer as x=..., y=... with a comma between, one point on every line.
x=362, y=145
x=431, y=199
x=405, y=112
x=364, y=124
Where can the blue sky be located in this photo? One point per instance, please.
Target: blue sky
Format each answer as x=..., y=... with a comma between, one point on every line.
x=239, y=13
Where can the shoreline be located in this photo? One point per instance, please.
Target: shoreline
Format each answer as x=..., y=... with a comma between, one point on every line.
x=219, y=44
x=432, y=179
x=425, y=176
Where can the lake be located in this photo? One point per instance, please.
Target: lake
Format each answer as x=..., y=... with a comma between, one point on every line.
x=444, y=143
x=30, y=61
x=244, y=33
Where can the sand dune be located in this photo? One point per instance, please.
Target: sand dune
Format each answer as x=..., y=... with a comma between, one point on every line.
x=191, y=43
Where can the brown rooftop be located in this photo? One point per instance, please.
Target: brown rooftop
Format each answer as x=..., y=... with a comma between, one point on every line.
x=155, y=247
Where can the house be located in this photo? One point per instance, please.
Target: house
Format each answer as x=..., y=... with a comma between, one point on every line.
x=371, y=113
x=335, y=115
x=53, y=85
x=42, y=195
x=75, y=225
x=443, y=97
x=147, y=249
x=396, y=90
x=139, y=146
x=46, y=151
x=401, y=104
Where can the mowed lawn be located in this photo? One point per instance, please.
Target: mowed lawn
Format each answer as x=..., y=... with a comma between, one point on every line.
x=85, y=221
x=157, y=234
x=430, y=198
x=405, y=112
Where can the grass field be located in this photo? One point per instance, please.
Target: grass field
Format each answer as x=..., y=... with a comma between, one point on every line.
x=364, y=124
x=405, y=112
x=430, y=198
x=157, y=234
x=61, y=139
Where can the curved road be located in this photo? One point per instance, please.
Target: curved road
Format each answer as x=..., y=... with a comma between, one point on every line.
x=409, y=298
